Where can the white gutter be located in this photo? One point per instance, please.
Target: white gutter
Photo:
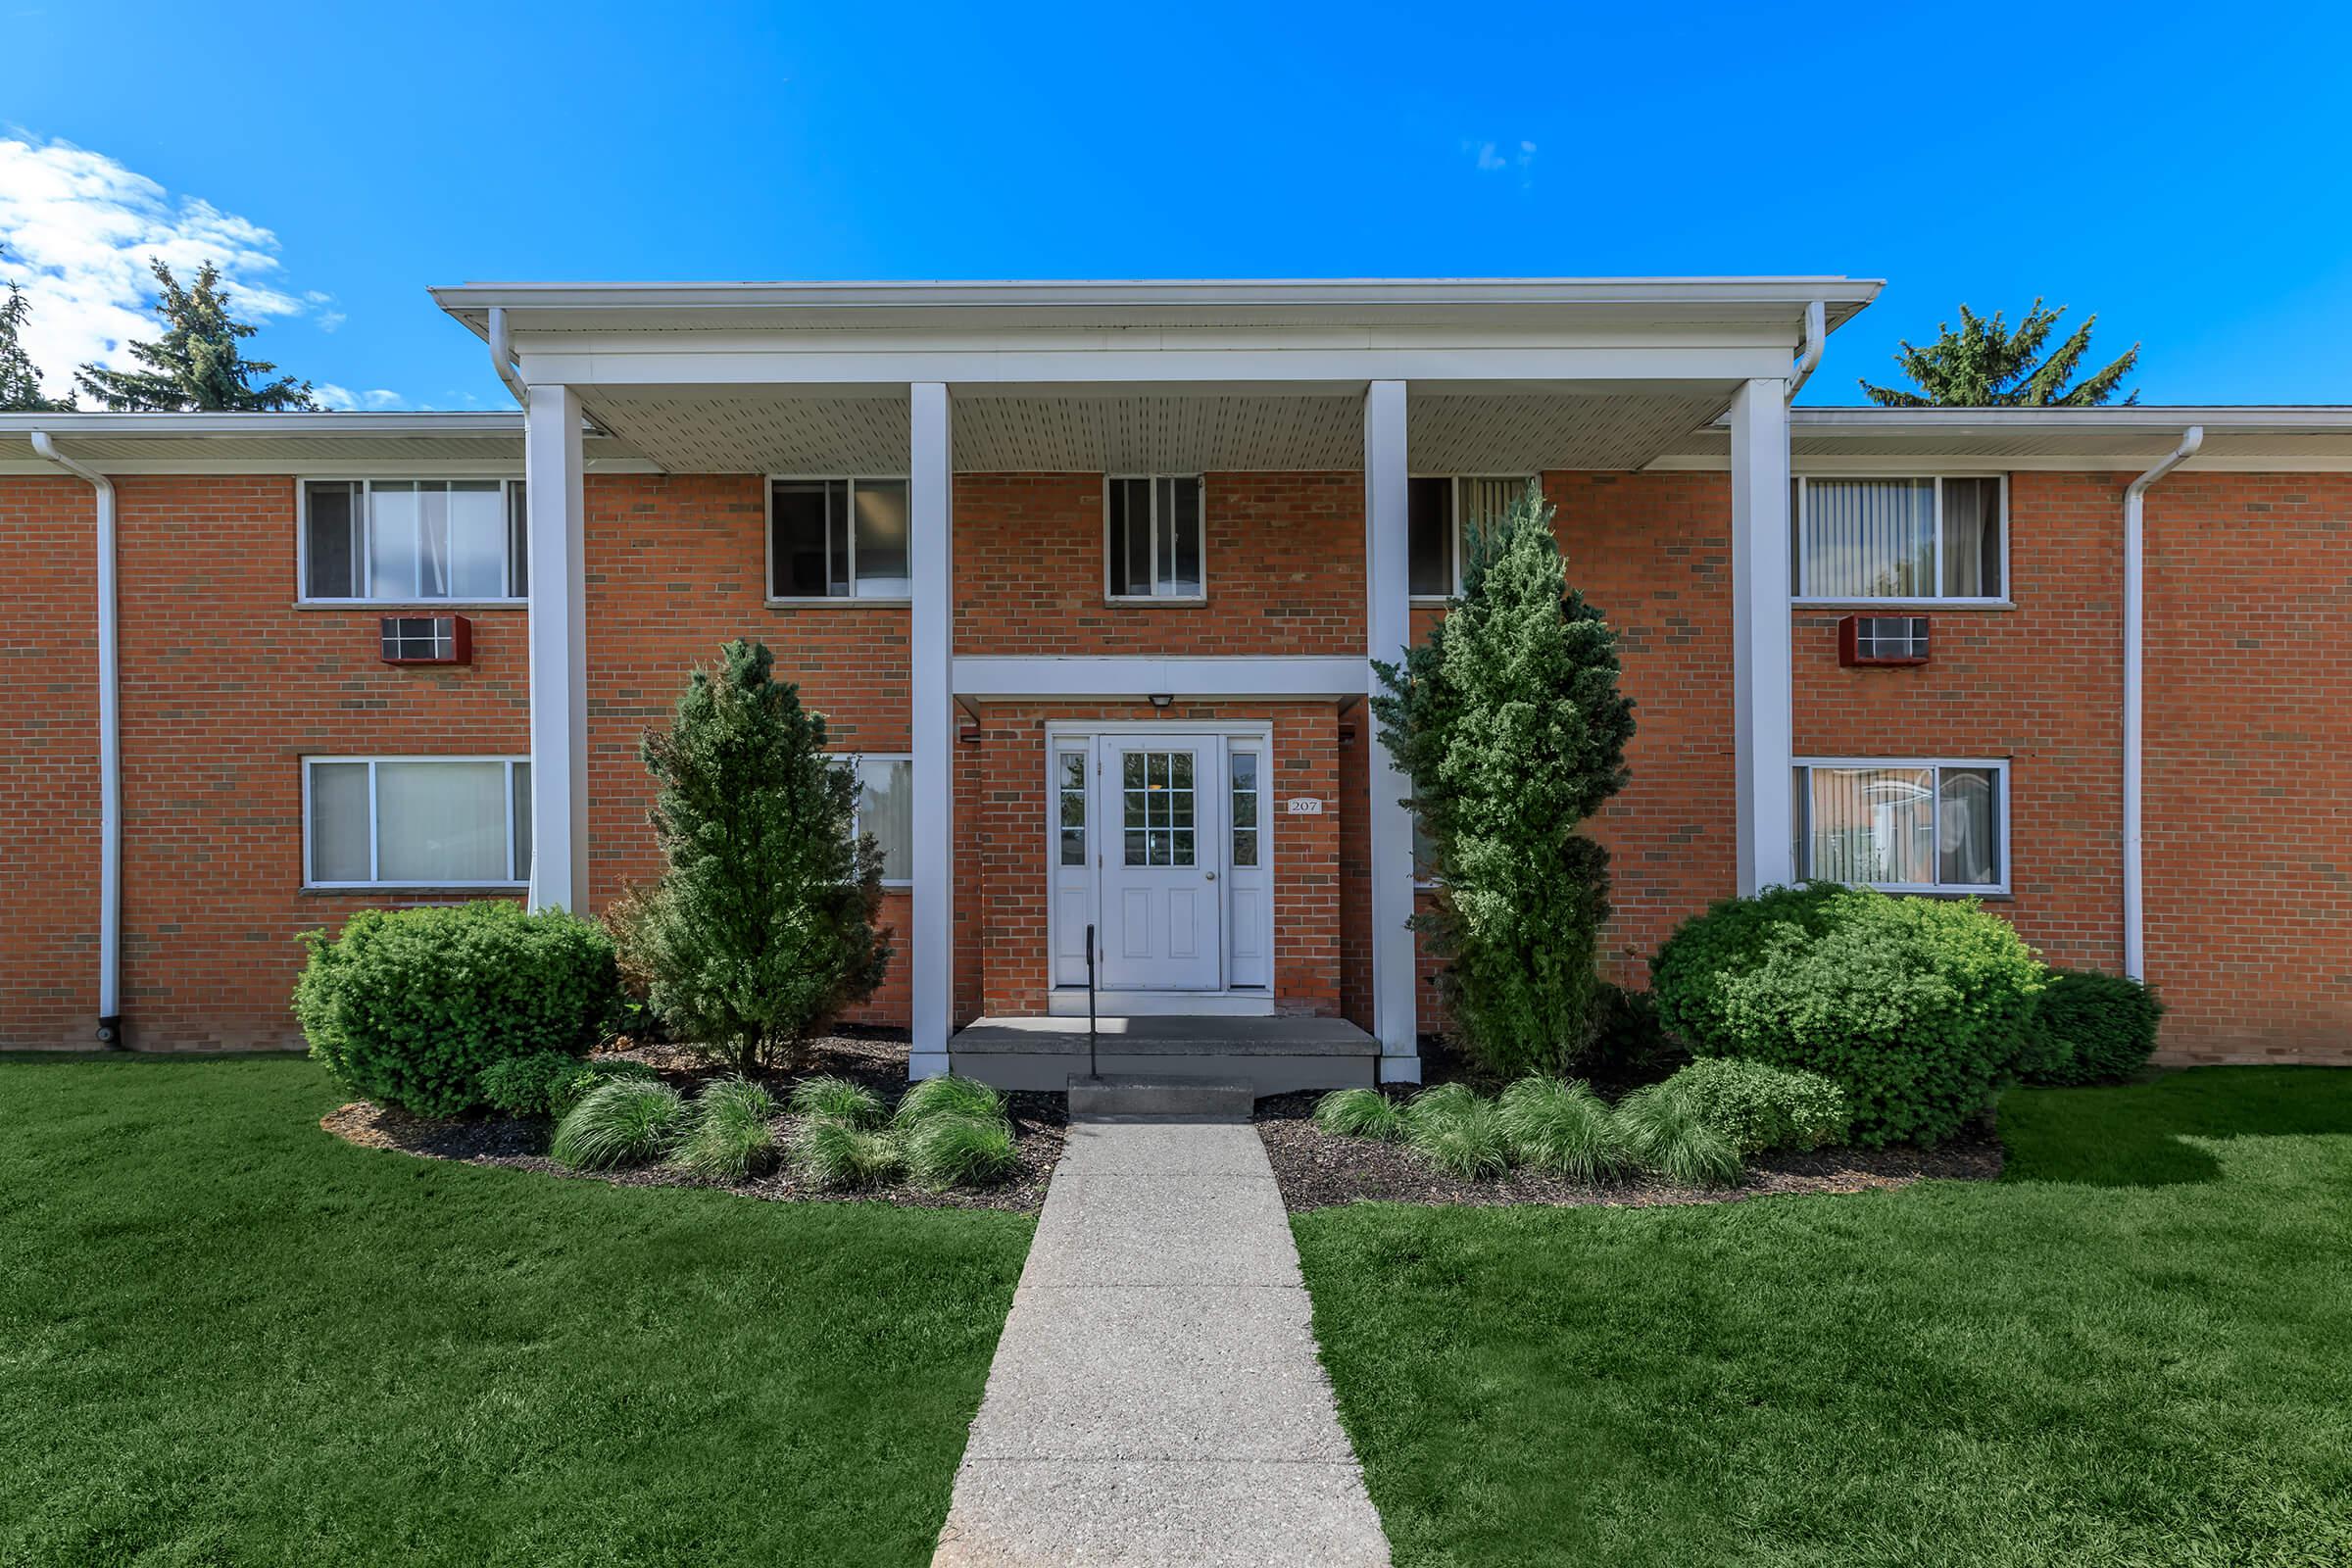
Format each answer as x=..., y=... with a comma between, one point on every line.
x=110, y=753
x=2135, y=959
x=502, y=356
x=1808, y=354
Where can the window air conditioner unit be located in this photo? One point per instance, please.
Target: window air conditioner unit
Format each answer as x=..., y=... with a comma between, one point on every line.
x=427, y=640
x=1869, y=641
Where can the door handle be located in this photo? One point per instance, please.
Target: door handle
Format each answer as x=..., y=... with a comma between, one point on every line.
x=1212, y=876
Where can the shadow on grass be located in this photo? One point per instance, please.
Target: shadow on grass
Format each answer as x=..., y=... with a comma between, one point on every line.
x=2145, y=1135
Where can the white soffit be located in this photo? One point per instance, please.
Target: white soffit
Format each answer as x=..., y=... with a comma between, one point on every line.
x=1152, y=433
x=1509, y=433
x=2280, y=440
x=691, y=431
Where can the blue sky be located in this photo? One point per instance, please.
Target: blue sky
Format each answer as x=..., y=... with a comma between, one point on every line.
x=2182, y=171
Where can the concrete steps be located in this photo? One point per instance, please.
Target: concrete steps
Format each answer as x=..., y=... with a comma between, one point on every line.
x=1269, y=1055
x=1132, y=1097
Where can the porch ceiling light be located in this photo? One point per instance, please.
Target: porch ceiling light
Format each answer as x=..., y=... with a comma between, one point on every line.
x=1162, y=699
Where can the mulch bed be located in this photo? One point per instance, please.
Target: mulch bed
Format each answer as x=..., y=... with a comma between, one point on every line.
x=1316, y=1169
x=877, y=1061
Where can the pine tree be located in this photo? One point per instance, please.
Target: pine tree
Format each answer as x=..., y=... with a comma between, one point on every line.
x=761, y=926
x=196, y=367
x=19, y=379
x=1986, y=365
x=1508, y=721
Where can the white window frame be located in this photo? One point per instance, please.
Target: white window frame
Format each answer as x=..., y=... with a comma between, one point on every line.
x=1200, y=484
x=1453, y=534
x=767, y=539
x=366, y=482
x=856, y=814
x=376, y=850
x=2004, y=599
x=2003, y=816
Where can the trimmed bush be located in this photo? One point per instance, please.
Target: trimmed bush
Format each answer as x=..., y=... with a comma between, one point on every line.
x=946, y=1151
x=622, y=1122
x=835, y=1156
x=947, y=1097
x=1360, y=1113
x=729, y=1136
x=1664, y=1132
x=838, y=1100
x=548, y=1082
x=1759, y=1107
x=2091, y=1028
x=1458, y=1132
x=410, y=1007
x=1628, y=1045
x=1561, y=1128
x=1917, y=1008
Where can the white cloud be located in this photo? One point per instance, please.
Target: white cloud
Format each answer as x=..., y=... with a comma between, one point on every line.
x=78, y=229
x=344, y=400
x=1492, y=157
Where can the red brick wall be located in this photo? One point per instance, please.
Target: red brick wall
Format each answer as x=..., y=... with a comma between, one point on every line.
x=226, y=688
x=49, y=765
x=1284, y=554
x=2249, y=763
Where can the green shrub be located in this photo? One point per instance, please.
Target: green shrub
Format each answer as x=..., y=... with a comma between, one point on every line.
x=548, y=1082
x=1360, y=1113
x=1664, y=1132
x=1562, y=1127
x=2091, y=1028
x=1917, y=1008
x=410, y=1007
x=835, y=1156
x=838, y=1100
x=1628, y=1045
x=625, y=1121
x=947, y=1097
x=1759, y=1107
x=729, y=1136
x=1458, y=1132
x=947, y=1150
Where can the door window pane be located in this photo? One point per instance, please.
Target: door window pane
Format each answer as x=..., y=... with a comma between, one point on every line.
x=1070, y=818
x=339, y=822
x=881, y=545
x=1244, y=809
x=1429, y=536
x=1870, y=538
x=441, y=823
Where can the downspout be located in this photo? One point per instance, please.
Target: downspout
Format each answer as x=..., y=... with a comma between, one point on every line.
x=2135, y=959
x=109, y=753
x=502, y=356
x=1808, y=351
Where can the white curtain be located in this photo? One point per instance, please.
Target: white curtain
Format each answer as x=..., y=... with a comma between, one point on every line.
x=886, y=810
x=1965, y=828
x=1972, y=538
x=339, y=822
x=441, y=823
x=1870, y=538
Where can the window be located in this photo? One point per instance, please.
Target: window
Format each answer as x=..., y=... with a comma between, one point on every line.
x=1155, y=538
x=412, y=541
x=417, y=821
x=1069, y=806
x=886, y=810
x=1245, y=825
x=1921, y=827
x=1437, y=510
x=1156, y=791
x=838, y=539
x=1900, y=538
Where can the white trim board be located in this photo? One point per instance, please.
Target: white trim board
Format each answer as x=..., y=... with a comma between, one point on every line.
x=1137, y=679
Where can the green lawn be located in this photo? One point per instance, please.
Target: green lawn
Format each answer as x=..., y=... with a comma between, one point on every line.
x=2136, y=1349
x=227, y=1337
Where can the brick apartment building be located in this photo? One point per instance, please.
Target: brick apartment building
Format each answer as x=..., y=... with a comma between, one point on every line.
x=1086, y=577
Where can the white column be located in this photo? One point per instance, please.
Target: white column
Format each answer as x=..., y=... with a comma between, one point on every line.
x=1762, y=728
x=559, y=580
x=931, y=942
x=1388, y=627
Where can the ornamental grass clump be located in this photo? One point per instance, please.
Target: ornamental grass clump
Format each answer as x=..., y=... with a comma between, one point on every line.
x=730, y=1135
x=947, y=1097
x=947, y=1151
x=838, y=1100
x=623, y=1122
x=1664, y=1132
x=837, y=1157
x=1561, y=1128
x=1360, y=1113
x=1458, y=1132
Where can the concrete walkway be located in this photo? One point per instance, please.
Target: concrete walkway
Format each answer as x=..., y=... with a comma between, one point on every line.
x=1156, y=1396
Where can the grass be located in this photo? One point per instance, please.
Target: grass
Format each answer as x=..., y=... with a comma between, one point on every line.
x=729, y=1136
x=1662, y=1129
x=943, y=1151
x=227, y=1337
x=838, y=1100
x=623, y=1121
x=1562, y=1127
x=1458, y=1131
x=840, y=1158
x=1360, y=1113
x=949, y=1096
x=2129, y=1351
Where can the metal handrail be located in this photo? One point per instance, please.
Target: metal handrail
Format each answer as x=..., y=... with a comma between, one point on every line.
x=1091, y=1071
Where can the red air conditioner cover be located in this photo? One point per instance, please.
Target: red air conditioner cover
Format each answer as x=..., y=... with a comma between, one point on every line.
x=1877, y=641
x=428, y=639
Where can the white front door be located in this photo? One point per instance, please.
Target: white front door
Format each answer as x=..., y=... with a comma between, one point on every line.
x=1162, y=845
